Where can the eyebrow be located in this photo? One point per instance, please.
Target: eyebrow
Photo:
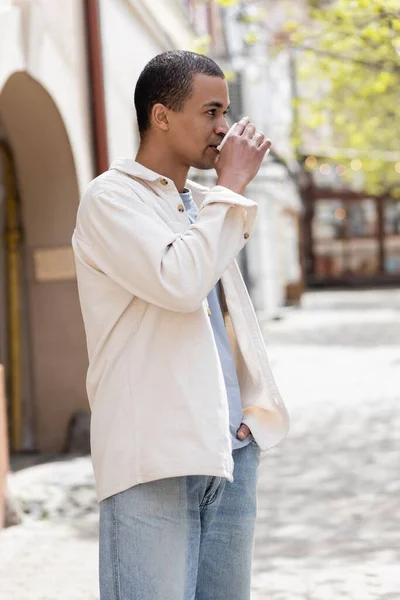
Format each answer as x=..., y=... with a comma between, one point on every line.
x=216, y=104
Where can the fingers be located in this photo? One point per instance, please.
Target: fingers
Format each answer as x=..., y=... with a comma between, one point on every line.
x=259, y=138
x=250, y=131
x=241, y=126
x=243, y=432
x=232, y=130
x=266, y=146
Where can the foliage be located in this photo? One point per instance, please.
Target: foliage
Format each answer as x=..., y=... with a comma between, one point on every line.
x=201, y=44
x=226, y=3
x=348, y=65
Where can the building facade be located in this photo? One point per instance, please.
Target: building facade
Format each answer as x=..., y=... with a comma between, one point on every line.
x=46, y=160
x=50, y=130
x=353, y=238
x=67, y=76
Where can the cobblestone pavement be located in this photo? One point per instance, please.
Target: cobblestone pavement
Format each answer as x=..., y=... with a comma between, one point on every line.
x=53, y=554
x=329, y=495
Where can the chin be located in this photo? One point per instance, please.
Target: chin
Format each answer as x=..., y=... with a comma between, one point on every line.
x=203, y=168
x=204, y=165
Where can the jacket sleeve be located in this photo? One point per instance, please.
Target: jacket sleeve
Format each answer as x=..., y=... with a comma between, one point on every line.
x=138, y=250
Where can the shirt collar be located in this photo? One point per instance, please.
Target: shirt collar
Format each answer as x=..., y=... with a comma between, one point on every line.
x=135, y=169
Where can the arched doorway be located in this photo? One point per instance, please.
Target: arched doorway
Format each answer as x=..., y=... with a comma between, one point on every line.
x=38, y=172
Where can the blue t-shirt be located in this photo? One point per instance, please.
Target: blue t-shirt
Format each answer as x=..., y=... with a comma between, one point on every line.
x=222, y=343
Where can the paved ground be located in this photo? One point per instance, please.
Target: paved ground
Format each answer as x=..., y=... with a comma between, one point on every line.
x=329, y=496
x=53, y=555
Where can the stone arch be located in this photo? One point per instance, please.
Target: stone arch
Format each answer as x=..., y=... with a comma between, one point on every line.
x=55, y=359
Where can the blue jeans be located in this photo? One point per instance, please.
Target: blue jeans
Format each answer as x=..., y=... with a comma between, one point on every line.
x=182, y=538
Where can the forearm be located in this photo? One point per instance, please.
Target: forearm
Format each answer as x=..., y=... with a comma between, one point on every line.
x=174, y=271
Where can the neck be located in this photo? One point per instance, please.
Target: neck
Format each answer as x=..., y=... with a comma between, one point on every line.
x=164, y=163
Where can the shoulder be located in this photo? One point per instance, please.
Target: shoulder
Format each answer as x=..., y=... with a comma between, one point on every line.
x=113, y=184
x=112, y=194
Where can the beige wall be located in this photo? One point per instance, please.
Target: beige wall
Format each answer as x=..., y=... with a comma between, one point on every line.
x=45, y=118
x=48, y=188
x=46, y=38
x=133, y=32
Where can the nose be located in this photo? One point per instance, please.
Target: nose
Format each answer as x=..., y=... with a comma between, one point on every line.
x=222, y=127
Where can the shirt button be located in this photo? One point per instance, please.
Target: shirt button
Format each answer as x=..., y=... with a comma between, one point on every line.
x=164, y=181
x=246, y=236
x=209, y=312
x=181, y=208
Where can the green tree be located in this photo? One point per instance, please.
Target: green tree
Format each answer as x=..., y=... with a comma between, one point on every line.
x=346, y=57
x=348, y=67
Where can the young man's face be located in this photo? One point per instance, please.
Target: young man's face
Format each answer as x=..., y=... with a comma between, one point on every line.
x=200, y=126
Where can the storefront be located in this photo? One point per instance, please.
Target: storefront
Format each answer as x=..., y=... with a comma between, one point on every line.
x=350, y=238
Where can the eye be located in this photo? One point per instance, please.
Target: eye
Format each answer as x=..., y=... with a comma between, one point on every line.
x=212, y=112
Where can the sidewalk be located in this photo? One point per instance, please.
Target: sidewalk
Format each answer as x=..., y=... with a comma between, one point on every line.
x=53, y=554
x=49, y=561
x=329, y=509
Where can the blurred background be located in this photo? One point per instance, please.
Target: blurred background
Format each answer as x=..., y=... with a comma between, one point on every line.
x=321, y=79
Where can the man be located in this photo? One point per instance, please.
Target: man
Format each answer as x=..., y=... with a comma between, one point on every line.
x=179, y=383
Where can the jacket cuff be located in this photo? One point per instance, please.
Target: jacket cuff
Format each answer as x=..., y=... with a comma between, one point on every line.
x=268, y=427
x=223, y=195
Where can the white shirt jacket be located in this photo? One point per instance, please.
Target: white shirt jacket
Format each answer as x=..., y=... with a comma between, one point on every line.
x=143, y=277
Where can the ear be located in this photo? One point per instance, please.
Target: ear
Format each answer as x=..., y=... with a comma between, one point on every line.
x=160, y=117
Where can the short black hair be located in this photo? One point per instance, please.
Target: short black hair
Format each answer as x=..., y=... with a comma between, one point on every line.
x=168, y=79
